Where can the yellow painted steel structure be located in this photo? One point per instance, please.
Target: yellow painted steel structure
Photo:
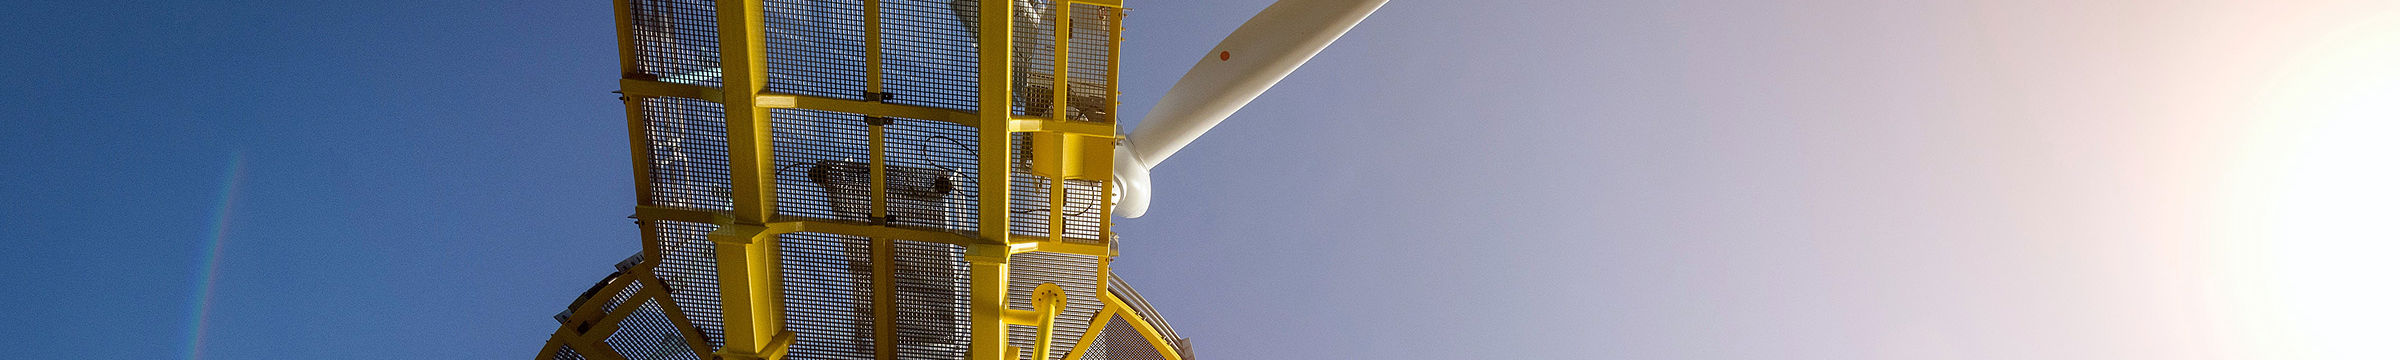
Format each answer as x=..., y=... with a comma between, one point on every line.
x=1035, y=127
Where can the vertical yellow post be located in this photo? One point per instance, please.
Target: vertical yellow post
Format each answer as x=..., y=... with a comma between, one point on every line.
x=987, y=273
x=748, y=272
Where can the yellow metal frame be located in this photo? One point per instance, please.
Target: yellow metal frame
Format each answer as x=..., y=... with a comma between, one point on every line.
x=747, y=257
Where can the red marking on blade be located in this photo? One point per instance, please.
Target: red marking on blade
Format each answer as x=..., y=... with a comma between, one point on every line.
x=1224, y=55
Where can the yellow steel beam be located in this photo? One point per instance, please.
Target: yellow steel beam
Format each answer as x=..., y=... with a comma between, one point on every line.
x=775, y=100
x=1020, y=244
x=750, y=287
x=786, y=225
x=1089, y=128
x=886, y=298
x=651, y=88
x=749, y=133
x=749, y=276
x=1062, y=26
x=987, y=302
x=987, y=269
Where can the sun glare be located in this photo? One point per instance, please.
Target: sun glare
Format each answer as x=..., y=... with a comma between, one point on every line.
x=2323, y=262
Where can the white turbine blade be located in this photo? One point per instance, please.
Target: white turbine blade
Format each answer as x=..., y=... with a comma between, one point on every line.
x=1257, y=55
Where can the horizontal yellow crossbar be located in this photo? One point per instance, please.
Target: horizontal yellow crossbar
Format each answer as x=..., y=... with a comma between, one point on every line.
x=791, y=101
x=785, y=224
x=1024, y=244
x=1028, y=124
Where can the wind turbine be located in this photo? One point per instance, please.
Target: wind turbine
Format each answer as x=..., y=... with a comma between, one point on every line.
x=900, y=179
x=1256, y=56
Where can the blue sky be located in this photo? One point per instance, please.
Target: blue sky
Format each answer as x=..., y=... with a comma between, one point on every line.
x=1542, y=179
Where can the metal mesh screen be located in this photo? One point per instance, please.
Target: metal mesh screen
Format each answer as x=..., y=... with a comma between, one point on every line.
x=828, y=295
x=1077, y=275
x=1028, y=194
x=1082, y=211
x=689, y=267
x=621, y=296
x=1125, y=343
x=929, y=52
x=1088, y=55
x=932, y=300
x=1034, y=48
x=676, y=40
x=816, y=47
x=1140, y=306
x=688, y=164
x=1098, y=350
x=565, y=353
x=809, y=146
x=930, y=172
x=648, y=334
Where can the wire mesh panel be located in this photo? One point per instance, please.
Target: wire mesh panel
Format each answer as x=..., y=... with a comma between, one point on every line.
x=1140, y=307
x=648, y=333
x=689, y=267
x=1077, y=275
x=816, y=47
x=675, y=40
x=688, y=164
x=929, y=54
x=1125, y=343
x=932, y=300
x=565, y=353
x=621, y=296
x=821, y=160
x=930, y=174
x=1034, y=50
x=828, y=295
x=1028, y=194
x=1082, y=211
x=1098, y=350
x=1089, y=52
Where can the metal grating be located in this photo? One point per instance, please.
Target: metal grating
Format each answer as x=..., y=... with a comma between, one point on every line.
x=689, y=268
x=1082, y=212
x=1034, y=50
x=1028, y=194
x=816, y=47
x=805, y=142
x=621, y=296
x=828, y=295
x=1125, y=343
x=932, y=300
x=647, y=333
x=675, y=40
x=1124, y=292
x=1078, y=275
x=1098, y=350
x=688, y=164
x=565, y=353
x=1089, y=51
x=929, y=53
x=930, y=174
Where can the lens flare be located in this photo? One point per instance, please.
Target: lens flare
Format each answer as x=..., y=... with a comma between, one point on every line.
x=2319, y=259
